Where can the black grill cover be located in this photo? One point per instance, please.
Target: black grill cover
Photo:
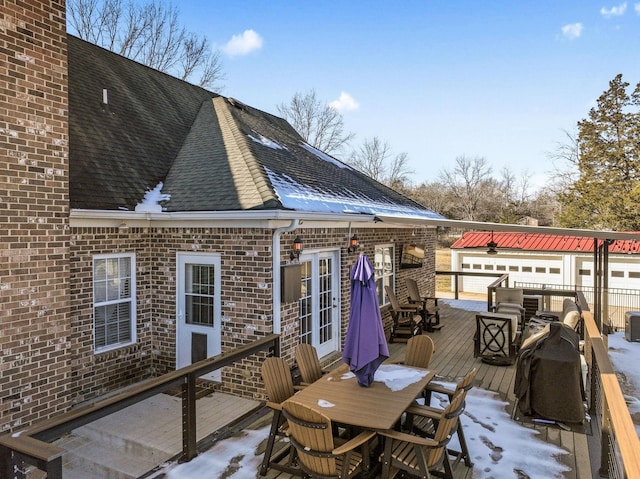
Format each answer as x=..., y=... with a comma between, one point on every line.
x=548, y=376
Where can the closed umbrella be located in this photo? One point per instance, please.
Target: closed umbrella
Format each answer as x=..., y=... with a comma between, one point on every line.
x=365, y=347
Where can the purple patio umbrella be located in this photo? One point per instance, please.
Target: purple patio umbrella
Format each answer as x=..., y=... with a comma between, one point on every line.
x=365, y=347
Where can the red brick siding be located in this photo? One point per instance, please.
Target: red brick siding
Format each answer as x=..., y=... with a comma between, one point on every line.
x=34, y=278
x=246, y=275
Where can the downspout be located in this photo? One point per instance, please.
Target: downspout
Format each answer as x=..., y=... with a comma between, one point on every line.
x=275, y=249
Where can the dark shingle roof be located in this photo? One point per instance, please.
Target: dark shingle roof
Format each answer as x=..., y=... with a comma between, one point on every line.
x=211, y=153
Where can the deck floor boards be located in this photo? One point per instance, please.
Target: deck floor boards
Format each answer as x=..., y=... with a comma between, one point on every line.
x=453, y=358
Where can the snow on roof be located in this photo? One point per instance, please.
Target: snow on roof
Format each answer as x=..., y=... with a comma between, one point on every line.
x=301, y=197
x=151, y=200
x=269, y=143
x=323, y=156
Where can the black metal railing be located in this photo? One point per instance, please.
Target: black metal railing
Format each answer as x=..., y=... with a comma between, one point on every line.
x=32, y=447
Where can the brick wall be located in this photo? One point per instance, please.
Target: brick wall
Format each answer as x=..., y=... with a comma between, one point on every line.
x=34, y=277
x=246, y=275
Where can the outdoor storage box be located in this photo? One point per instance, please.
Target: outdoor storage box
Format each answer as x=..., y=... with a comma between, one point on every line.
x=632, y=325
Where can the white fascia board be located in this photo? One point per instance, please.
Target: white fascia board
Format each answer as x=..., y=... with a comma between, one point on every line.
x=227, y=219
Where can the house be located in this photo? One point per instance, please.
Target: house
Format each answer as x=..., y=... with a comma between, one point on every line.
x=149, y=223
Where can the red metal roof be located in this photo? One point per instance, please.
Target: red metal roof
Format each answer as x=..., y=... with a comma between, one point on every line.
x=540, y=242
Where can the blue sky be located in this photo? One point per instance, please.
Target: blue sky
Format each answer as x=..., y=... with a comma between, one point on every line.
x=500, y=80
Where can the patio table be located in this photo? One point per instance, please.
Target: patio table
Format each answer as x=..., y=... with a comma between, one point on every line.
x=373, y=407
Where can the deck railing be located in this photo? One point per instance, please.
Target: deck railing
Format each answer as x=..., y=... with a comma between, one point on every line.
x=614, y=440
x=32, y=447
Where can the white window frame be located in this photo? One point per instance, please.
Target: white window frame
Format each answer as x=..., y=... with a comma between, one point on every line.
x=130, y=299
x=384, y=277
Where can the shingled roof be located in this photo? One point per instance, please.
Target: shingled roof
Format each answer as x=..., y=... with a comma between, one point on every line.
x=132, y=127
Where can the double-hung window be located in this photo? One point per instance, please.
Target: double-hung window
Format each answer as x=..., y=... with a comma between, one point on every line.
x=114, y=305
x=385, y=270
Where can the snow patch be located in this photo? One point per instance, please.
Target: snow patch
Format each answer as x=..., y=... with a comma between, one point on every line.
x=152, y=199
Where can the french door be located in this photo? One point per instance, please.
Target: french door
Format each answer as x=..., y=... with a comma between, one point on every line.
x=320, y=301
x=198, y=308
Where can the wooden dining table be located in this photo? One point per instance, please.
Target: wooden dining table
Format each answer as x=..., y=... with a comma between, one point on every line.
x=377, y=407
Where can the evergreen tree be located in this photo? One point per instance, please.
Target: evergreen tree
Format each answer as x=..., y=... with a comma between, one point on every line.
x=606, y=192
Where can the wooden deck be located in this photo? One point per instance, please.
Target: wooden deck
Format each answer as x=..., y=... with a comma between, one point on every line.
x=453, y=358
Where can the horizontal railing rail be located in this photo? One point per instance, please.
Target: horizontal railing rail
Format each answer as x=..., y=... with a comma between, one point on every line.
x=619, y=301
x=457, y=274
x=32, y=446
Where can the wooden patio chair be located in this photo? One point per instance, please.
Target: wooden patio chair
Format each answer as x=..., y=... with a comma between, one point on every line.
x=407, y=318
x=422, y=456
x=308, y=363
x=430, y=309
x=279, y=385
x=419, y=351
x=321, y=455
x=497, y=338
x=425, y=426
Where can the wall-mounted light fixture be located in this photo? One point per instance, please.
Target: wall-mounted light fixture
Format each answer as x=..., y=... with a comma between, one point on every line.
x=353, y=244
x=297, y=249
x=492, y=245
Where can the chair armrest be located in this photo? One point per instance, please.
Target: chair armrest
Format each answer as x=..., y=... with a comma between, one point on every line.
x=438, y=388
x=299, y=387
x=425, y=411
x=402, y=436
x=276, y=406
x=351, y=444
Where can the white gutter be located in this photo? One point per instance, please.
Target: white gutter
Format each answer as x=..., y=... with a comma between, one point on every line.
x=275, y=287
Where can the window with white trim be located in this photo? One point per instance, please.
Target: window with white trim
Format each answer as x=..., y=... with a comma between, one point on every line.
x=114, y=306
x=384, y=270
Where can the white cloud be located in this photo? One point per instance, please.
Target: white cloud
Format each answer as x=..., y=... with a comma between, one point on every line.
x=637, y=8
x=243, y=44
x=572, y=30
x=615, y=11
x=345, y=103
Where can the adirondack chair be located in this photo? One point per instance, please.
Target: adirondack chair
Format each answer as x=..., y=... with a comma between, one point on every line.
x=279, y=385
x=420, y=456
x=311, y=434
x=425, y=426
x=430, y=309
x=308, y=363
x=407, y=318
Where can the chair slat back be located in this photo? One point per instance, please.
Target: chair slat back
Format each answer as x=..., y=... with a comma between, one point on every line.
x=419, y=351
x=395, y=304
x=277, y=379
x=447, y=426
x=413, y=290
x=310, y=431
x=466, y=382
x=308, y=363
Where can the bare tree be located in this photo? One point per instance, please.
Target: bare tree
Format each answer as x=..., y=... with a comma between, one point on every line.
x=566, y=159
x=375, y=159
x=468, y=183
x=320, y=125
x=149, y=33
